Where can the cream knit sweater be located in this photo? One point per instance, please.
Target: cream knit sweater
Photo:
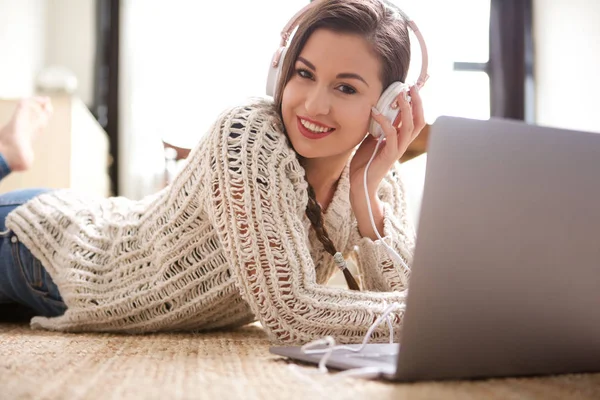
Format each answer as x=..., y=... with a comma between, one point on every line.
x=227, y=243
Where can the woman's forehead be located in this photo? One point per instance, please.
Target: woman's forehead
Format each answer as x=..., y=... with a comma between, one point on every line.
x=341, y=52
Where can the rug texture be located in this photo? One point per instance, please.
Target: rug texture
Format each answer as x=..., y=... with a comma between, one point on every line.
x=217, y=365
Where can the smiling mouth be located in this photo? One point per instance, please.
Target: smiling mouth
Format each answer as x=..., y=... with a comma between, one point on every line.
x=314, y=127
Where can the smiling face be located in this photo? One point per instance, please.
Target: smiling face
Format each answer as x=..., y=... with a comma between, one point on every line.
x=326, y=105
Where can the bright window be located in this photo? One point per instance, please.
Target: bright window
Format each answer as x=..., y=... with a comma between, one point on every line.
x=457, y=35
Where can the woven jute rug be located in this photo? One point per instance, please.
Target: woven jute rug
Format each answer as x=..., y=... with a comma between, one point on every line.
x=217, y=365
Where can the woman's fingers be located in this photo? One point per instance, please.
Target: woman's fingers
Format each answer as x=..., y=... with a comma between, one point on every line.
x=388, y=129
x=417, y=111
x=406, y=128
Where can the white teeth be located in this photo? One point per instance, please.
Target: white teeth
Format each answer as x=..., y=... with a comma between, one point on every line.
x=312, y=127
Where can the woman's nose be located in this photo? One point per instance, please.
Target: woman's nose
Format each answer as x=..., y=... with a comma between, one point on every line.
x=317, y=101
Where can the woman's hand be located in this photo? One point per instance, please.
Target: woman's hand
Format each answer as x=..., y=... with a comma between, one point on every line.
x=398, y=136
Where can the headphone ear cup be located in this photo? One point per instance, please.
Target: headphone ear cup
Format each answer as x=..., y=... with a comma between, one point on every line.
x=384, y=106
x=275, y=73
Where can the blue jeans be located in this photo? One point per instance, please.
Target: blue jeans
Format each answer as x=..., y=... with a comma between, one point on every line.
x=23, y=279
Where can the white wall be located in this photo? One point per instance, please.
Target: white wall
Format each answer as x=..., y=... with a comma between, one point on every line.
x=39, y=33
x=567, y=61
x=71, y=41
x=22, y=43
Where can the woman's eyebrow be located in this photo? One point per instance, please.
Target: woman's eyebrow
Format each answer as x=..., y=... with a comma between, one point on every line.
x=343, y=75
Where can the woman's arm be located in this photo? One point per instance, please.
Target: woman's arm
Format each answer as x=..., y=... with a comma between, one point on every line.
x=258, y=198
x=378, y=270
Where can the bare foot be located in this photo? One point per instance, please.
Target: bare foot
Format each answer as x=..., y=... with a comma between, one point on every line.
x=28, y=120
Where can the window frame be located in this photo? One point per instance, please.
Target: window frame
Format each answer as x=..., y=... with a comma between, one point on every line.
x=105, y=107
x=510, y=64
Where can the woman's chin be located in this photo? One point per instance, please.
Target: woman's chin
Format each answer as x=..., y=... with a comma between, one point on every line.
x=307, y=153
x=305, y=149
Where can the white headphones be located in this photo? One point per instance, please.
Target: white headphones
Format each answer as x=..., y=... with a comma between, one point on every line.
x=388, y=95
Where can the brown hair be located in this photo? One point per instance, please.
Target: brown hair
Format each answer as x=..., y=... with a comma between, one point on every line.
x=382, y=25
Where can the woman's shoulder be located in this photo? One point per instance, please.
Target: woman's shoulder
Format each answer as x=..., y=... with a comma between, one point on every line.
x=251, y=137
x=254, y=112
x=254, y=124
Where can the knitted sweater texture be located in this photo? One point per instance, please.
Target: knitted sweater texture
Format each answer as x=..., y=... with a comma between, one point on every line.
x=227, y=243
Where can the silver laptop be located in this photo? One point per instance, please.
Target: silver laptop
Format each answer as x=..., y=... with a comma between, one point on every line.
x=506, y=273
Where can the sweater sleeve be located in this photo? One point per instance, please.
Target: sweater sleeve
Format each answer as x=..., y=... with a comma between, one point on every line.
x=377, y=269
x=258, y=197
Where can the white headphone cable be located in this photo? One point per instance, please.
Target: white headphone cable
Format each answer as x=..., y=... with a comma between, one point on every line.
x=392, y=253
x=329, y=341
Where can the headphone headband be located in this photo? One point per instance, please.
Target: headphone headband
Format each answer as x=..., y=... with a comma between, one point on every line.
x=286, y=33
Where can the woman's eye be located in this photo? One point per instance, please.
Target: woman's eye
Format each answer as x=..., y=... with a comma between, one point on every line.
x=346, y=89
x=304, y=73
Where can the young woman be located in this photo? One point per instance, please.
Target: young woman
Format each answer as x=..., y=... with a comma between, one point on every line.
x=269, y=204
